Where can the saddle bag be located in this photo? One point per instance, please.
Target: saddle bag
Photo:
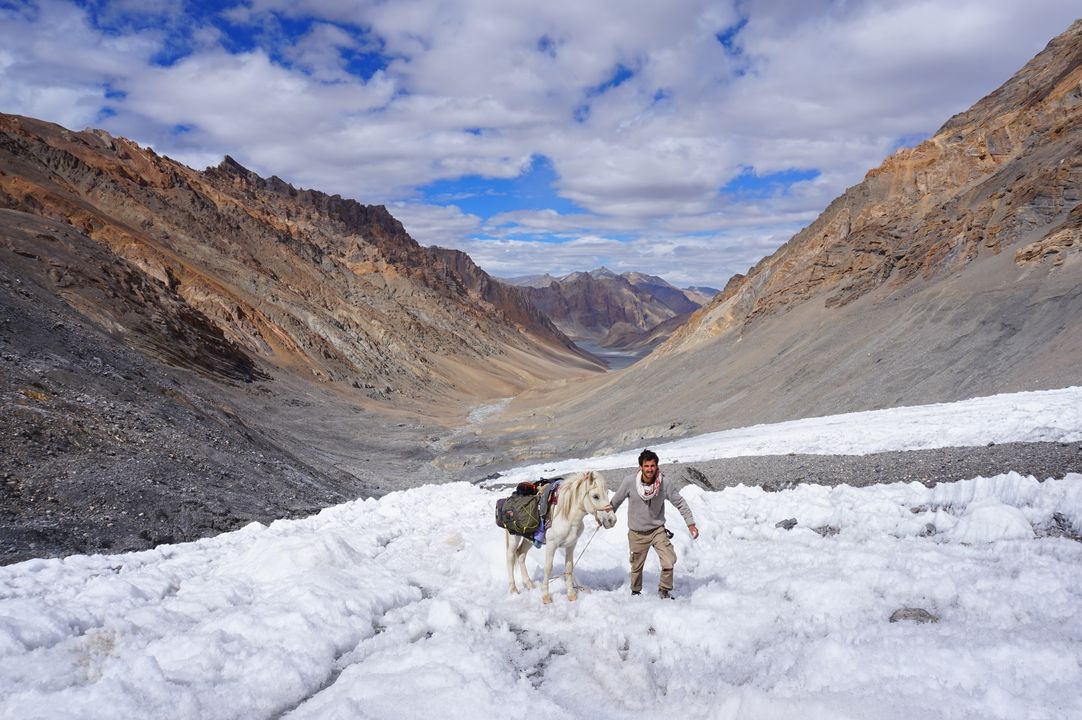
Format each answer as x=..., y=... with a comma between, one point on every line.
x=519, y=514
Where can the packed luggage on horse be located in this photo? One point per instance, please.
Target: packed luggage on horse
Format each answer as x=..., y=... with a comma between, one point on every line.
x=551, y=513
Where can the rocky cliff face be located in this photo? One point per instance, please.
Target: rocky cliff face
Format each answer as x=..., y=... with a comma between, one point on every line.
x=677, y=300
x=297, y=279
x=953, y=270
x=700, y=294
x=1004, y=176
x=513, y=301
x=612, y=310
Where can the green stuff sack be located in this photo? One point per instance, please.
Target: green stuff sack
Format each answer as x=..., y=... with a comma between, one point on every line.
x=519, y=514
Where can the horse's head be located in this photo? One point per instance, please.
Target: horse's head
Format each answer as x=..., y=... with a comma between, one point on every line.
x=597, y=502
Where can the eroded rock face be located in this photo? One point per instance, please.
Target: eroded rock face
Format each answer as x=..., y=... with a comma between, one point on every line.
x=119, y=296
x=297, y=279
x=1006, y=173
x=1055, y=247
x=616, y=311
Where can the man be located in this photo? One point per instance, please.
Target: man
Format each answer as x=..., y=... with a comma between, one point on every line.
x=646, y=493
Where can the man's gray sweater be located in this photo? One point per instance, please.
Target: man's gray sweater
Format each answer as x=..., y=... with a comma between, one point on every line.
x=646, y=516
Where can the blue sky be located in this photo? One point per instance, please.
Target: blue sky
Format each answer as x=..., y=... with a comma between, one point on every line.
x=683, y=139
x=532, y=189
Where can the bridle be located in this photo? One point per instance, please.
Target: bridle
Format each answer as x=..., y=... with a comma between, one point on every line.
x=596, y=510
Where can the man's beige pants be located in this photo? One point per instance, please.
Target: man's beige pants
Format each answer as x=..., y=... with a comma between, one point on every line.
x=640, y=543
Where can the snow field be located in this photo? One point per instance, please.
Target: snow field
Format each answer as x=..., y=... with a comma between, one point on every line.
x=398, y=608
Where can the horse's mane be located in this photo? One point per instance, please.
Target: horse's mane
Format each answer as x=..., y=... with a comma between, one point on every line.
x=572, y=491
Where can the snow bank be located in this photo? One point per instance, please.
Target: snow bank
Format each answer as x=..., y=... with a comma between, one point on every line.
x=369, y=610
x=1040, y=416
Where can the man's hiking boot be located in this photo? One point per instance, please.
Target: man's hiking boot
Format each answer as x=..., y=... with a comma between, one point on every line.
x=636, y=592
x=665, y=594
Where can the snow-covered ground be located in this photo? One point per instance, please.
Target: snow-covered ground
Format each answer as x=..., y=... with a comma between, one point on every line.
x=1044, y=415
x=398, y=607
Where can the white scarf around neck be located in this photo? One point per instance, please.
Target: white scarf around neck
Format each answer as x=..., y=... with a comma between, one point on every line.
x=648, y=492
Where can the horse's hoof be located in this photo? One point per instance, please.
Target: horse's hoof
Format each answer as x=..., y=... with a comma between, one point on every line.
x=547, y=599
x=572, y=597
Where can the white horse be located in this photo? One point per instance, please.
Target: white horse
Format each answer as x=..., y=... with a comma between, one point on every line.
x=579, y=495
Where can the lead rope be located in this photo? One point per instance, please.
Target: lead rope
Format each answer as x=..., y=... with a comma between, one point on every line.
x=577, y=586
x=587, y=544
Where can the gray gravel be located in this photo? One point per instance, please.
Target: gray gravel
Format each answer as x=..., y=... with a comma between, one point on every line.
x=780, y=472
x=105, y=450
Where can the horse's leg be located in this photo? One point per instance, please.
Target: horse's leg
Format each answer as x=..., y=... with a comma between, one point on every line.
x=524, y=550
x=569, y=572
x=550, y=550
x=511, y=551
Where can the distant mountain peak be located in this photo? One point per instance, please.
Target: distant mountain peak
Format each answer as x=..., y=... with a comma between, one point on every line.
x=639, y=277
x=633, y=310
x=231, y=166
x=529, y=280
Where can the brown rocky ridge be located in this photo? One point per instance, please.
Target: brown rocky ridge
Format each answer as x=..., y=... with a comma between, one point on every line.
x=301, y=280
x=187, y=351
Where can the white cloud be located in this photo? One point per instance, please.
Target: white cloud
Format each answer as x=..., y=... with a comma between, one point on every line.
x=480, y=87
x=443, y=225
x=319, y=52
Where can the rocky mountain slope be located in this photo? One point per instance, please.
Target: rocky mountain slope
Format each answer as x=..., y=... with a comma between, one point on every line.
x=103, y=447
x=185, y=352
x=615, y=311
x=301, y=280
x=513, y=301
x=700, y=294
x=953, y=270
